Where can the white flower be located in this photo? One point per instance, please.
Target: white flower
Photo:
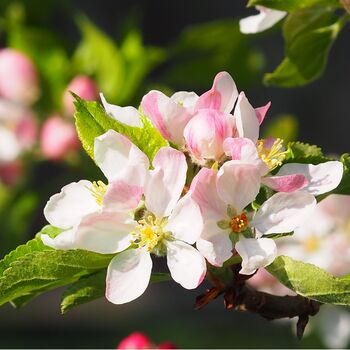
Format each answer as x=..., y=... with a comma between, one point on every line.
x=96, y=217
x=223, y=196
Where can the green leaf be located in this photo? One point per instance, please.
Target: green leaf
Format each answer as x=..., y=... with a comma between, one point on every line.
x=86, y=289
x=98, y=55
x=290, y=5
x=41, y=271
x=298, y=152
x=344, y=186
x=284, y=127
x=311, y=281
x=92, y=121
x=309, y=51
x=93, y=287
x=285, y=75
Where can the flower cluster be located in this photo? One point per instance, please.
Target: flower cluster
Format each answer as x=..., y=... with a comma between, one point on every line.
x=195, y=202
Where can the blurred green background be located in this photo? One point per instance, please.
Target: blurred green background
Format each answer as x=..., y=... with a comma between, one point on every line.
x=128, y=48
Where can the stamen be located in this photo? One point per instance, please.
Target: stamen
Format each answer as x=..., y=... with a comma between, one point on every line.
x=312, y=244
x=98, y=190
x=239, y=223
x=272, y=156
x=149, y=233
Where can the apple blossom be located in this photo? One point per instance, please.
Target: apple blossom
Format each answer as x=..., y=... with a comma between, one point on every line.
x=58, y=138
x=96, y=217
x=84, y=87
x=223, y=196
x=136, y=340
x=264, y=20
x=269, y=154
x=18, y=77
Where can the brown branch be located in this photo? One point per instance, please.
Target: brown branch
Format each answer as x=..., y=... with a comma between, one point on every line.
x=346, y=5
x=242, y=297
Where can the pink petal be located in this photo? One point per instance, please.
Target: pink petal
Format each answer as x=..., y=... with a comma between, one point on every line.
x=247, y=122
x=169, y=117
x=166, y=181
x=204, y=192
x=287, y=183
x=105, y=233
x=121, y=197
x=221, y=96
x=261, y=112
x=238, y=184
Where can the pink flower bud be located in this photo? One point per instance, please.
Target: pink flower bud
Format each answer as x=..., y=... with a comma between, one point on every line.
x=206, y=132
x=84, y=87
x=135, y=340
x=18, y=77
x=26, y=130
x=58, y=137
x=10, y=173
x=167, y=345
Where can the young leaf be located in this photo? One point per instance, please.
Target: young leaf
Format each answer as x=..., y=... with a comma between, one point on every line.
x=309, y=52
x=299, y=152
x=290, y=5
x=86, y=289
x=93, y=287
x=34, y=245
x=311, y=281
x=92, y=121
x=41, y=271
x=285, y=75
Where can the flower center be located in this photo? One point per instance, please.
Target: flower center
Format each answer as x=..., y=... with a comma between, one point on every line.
x=272, y=155
x=239, y=223
x=312, y=244
x=98, y=190
x=149, y=233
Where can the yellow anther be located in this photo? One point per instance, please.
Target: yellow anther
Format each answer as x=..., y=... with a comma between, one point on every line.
x=98, y=190
x=239, y=223
x=149, y=232
x=272, y=155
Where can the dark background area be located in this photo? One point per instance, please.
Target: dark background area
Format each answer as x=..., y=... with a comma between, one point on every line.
x=165, y=311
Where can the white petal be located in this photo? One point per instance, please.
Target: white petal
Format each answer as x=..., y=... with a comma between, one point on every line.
x=127, y=115
x=187, y=266
x=215, y=244
x=105, y=233
x=128, y=276
x=283, y=212
x=260, y=22
x=322, y=178
x=204, y=192
x=64, y=241
x=186, y=99
x=166, y=181
x=185, y=221
x=238, y=184
x=65, y=209
x=120, y=159
x=247, y=122
x=9, y=145
x=255, y=253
